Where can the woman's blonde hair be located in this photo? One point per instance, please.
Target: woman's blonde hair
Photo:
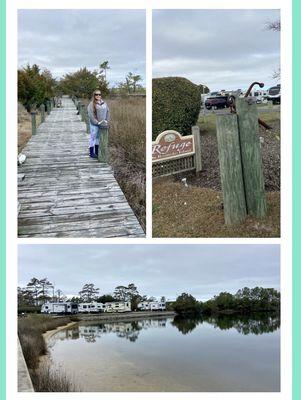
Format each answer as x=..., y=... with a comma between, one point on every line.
x=94, y=101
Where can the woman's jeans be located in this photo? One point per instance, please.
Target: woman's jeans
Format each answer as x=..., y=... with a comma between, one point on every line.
x=94, y=135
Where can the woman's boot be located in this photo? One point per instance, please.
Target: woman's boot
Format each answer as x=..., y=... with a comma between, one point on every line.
x=96, y=149
x=92, y=154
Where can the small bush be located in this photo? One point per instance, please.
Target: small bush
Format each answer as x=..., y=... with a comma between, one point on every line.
x=46, y=379
x=176, y=105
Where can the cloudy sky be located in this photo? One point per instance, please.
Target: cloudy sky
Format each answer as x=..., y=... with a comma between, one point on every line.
x=65, y=40
x=224, y=49
x=157, y=270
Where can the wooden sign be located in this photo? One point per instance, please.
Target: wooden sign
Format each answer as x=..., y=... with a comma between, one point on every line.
x=170, y=145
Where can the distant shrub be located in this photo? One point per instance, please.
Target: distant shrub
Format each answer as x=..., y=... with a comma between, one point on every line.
x=176, y=105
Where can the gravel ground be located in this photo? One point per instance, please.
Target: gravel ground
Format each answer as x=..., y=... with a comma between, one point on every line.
x=209, y=177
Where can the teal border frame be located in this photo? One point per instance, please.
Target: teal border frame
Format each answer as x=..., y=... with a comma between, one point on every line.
x=2, y=199
x=296, y=387
x=296, y=84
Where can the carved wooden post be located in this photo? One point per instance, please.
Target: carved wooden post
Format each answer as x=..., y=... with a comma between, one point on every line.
x=103, y=154
x=230, y=169
x=195, y=130
x=251, y=157
x=33, y=122
x=42, y=110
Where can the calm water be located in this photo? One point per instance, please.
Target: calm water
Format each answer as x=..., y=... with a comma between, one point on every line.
x=172, y=354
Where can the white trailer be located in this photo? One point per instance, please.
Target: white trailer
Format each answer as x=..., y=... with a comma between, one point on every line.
x=92, y=307
x=151, y=306
x=118, y=306
x=59, y=308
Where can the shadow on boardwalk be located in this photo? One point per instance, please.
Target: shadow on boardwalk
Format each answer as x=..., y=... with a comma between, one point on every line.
x=65, y=193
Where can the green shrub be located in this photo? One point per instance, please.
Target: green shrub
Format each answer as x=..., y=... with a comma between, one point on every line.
x=176, y=105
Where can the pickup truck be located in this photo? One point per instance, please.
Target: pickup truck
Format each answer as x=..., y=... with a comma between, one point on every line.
x=216, y=102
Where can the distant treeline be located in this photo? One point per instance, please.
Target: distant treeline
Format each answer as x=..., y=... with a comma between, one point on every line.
x=36, y=86
x=244, y=301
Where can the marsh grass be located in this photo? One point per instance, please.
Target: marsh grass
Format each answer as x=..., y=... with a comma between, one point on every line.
x=46, y=379
x=30, y=331
x=128, y=150
x=24, y=126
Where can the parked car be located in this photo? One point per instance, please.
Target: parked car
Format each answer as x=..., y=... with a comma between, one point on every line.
x=216, y=102
x=274, y=94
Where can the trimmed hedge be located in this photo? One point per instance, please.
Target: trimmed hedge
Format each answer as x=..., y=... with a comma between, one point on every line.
x=176, y=105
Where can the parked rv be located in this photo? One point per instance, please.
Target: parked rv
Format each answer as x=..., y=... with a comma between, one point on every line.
x=151, y=306
x=59, y=308
x=274, y=94
x=92, y=307
x=261, y=96
x=120, y=306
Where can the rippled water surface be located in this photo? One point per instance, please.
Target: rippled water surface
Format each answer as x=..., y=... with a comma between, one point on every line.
x=172, y=354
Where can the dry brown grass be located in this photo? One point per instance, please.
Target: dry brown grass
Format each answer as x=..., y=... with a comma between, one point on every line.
x=46, y=379
x=197, y=212
x=127, y=150
x=24, y=126
x=30, y=331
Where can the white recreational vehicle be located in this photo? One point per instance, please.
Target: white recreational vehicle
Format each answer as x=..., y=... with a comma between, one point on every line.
x=118, y=306
x=151, y=306
x=59, y=308
x=94, y=307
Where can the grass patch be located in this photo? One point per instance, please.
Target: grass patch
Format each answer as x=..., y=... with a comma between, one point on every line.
x=127, y=150
x=46, y=379
x=30, y=331
x=24, y=126
x=207, y=123
x=197, y=212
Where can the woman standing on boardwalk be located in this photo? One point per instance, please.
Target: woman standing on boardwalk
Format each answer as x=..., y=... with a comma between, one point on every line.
x=99, y=116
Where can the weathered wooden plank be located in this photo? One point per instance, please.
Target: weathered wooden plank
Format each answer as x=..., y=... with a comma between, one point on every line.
x=64, y=192
x=123, y=221
x=251, y=157
x=230, y=169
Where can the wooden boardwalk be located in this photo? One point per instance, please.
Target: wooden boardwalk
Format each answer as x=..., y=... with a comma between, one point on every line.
x=65, y=193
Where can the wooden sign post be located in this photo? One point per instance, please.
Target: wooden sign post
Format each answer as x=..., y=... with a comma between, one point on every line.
x=103, y=155
x=230, y=169
x=251, y=157
x=240, y=163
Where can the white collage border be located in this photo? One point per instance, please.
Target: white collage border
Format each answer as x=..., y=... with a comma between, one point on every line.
x=286, y=188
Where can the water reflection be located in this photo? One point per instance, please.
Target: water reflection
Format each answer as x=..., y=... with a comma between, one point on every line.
x=256, y=324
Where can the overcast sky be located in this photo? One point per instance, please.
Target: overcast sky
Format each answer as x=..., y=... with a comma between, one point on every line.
x=65, y=40
x=157, y=270
x=223, y=49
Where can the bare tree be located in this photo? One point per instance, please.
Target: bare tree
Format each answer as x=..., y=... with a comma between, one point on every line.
x=274, y=26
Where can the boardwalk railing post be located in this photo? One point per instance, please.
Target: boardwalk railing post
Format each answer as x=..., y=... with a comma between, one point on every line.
x=103, y=154
x=195, y=130
x=78, y=107
x=82, y=112
x=42, y=110
x=47, y=107
x=86, y=120
x=251, y=156
x=33, y=122
x=230, y=169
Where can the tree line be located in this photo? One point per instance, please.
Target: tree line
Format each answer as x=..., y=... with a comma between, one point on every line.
x=40, y=291
x=36, y=86
x=244, y=301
